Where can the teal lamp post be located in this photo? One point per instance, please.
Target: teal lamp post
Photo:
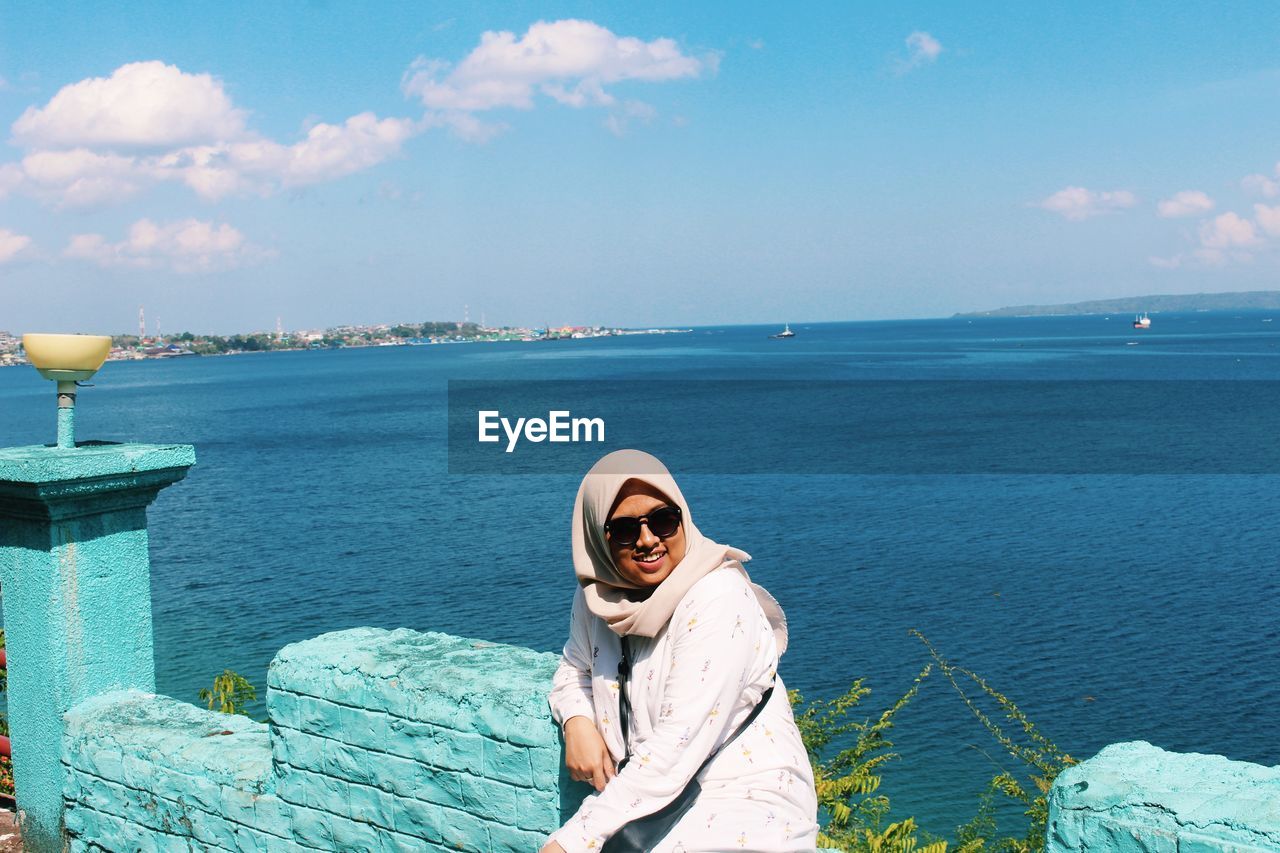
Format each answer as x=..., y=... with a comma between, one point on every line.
x=74, y=577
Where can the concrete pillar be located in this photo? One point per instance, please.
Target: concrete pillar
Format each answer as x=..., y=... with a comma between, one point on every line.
x=75, y=579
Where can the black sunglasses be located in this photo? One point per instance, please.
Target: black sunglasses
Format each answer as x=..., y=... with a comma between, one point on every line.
x=662, y=522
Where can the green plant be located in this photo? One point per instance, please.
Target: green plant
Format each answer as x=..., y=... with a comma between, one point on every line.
x=231, y=693
x=1043, y=760
x=848, y=782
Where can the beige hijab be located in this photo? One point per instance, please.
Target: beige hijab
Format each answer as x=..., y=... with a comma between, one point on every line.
x=627, y=607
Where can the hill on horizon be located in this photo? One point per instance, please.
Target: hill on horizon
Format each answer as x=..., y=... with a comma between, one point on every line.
x=1254, y=300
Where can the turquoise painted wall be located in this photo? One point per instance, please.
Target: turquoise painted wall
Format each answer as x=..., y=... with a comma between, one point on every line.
x=397, y=741
x=1137, y=798
x=77, y=597
x=377, y=741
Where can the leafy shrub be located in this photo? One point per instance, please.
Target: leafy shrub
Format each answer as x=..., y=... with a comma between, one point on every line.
x=848, y=781
x=231, y=693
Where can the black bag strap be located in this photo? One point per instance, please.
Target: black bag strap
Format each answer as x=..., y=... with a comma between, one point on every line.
x=624, y=700
x=624, y=712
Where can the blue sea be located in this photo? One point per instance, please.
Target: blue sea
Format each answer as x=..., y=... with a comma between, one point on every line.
x=1110, y=604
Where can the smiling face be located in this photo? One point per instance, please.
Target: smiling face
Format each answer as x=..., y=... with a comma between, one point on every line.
x=650, y=560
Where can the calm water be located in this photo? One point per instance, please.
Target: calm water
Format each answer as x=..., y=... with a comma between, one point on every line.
x=1111, y=607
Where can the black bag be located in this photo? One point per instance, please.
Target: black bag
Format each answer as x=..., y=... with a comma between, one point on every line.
x=643, y=834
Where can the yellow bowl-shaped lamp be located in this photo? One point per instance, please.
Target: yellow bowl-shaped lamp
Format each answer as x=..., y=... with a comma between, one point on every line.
x=67, y=358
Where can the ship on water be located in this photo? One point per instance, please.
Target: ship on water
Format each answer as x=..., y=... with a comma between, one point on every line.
x=1142, y=321
x=785, y=333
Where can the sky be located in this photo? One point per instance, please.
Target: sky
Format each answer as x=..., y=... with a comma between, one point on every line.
x=227, y=164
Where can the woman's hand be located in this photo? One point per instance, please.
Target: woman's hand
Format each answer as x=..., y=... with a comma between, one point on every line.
x=552, y=847
x=586, y=755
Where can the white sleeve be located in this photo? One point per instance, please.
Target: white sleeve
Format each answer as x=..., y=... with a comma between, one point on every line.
x=715, y=634
x=571, y=685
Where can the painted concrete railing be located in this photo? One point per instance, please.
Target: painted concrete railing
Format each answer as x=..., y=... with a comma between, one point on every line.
x=377, y=740
x=1136, y=797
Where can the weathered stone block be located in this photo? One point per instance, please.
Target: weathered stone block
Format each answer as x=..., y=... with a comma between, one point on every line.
x=1136, y=797
x=459, y=751
x=395, y=843
x=545, y=763
x=355, y=836
x=272, y=815
x=507, y=762
x=136, y=771
x=465, y=831
x=315, y=791
x=434, y=786
x=373, y=805
x=201, y=792
x=419, y=819
x=537, y=810
x=318, y=716
x=1133, y=837
x=362, y=728
x=514, y=840
x=239, y=806
x=415, y=740
x=299, y=749
x=487, y=798
x=105, y=761
x=312, y=827
x=250, y=840
x=351, y=763
x=282, y=708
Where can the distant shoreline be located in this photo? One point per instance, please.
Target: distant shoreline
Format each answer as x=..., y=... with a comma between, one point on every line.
x=1254, y=300
x=1260, y=301
x=186, y=344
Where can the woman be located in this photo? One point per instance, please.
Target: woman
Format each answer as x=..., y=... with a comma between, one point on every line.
x=703, y=644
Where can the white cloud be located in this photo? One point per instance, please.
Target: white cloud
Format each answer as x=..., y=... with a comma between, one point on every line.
x=1185, y=203
x=1268, y=218
x=619, y=122
x=185, y=246
x=11, y=178
x=104, y=140
x=569, y=61
x=81, y=178
x=331, y=151
x=328, y=152
x=466, y=126
x=1077, y=203
x=1229, y=238
x=12, y=245
x=141, y=105
x=1261, y=185
x=922, y=49
x=1227, y=231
